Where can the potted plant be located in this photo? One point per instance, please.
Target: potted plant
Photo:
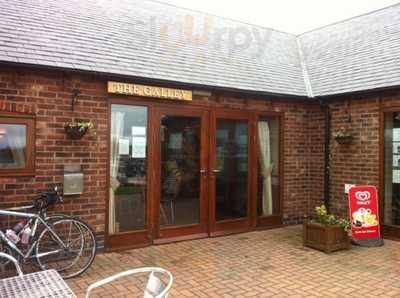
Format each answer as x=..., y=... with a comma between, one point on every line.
x=343, y=137
x=326, y=232
x=76, y=130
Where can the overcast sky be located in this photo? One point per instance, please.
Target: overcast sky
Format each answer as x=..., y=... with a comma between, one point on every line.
x=293, y=16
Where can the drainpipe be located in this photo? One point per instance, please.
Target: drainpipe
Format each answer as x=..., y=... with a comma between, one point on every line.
x=327, y=163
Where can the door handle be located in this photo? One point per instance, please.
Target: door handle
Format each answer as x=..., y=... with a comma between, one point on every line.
x=203, y=171
x=216, y=171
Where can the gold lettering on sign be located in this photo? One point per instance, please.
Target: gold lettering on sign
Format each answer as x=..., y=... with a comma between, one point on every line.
x=148, y=91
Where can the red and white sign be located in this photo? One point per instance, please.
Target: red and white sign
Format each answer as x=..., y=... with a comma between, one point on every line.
x=364, y=213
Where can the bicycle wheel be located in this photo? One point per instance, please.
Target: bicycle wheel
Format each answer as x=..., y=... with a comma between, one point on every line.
x=69, y=247
x=85, y=228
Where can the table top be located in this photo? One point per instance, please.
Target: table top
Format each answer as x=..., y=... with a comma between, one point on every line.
x=34, y=285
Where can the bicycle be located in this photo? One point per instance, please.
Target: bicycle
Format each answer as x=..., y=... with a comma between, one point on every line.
x=58, y=242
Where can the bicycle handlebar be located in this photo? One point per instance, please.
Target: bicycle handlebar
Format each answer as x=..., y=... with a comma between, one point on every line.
x=47, y=199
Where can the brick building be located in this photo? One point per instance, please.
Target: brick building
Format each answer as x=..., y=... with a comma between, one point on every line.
x=200, y=126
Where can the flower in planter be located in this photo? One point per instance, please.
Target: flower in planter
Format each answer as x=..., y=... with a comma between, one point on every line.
x=326, y=232
x=76, y=130
x=342, y=134
x=323, y=218
x=80, y=125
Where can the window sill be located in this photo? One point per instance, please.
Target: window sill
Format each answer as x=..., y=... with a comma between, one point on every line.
x=14, y=173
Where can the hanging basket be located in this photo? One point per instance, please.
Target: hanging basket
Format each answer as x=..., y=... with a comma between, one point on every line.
x=75, y=132
x=344, y=139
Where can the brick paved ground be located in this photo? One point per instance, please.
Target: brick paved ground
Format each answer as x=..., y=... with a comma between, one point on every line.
x=258, y=264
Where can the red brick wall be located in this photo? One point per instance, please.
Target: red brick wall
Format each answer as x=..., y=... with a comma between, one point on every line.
x=358, y=162
x=48, y=94
x=303, y=161
x=317, y=158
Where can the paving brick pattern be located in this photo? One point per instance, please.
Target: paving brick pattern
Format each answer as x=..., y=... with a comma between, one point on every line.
x=258, y=264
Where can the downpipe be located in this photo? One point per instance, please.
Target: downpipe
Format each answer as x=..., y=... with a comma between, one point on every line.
x=327, y=159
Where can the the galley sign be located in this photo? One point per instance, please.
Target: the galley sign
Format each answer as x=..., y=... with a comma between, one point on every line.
x=364, y=214
x=149, y=91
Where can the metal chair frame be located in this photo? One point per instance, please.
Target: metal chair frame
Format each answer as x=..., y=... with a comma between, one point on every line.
x=163, y=294
x=14, y=261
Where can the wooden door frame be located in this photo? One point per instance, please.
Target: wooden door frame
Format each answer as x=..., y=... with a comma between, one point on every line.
x=274, y=220
x=137, y=238
x=231, y=226
x=149, y=235
x=389, y=231
x=182, y=232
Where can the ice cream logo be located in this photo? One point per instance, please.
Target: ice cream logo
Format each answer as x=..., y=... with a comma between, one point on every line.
x=363, y=195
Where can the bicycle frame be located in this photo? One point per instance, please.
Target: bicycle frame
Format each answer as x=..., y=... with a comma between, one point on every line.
x=67, y=238
x=37, y=219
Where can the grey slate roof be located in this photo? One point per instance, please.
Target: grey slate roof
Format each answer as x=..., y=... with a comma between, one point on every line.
x=361, y=53
x=157, y=41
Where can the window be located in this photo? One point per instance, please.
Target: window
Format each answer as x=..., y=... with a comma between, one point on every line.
x=391, y=210
x=16, y=146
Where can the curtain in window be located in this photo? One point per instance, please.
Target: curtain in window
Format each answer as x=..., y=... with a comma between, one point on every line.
x=117, y=128
x=266, y=166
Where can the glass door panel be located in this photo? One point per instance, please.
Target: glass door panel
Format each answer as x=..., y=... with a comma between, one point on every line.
x=391, y=208
x=268, y=178
x=180, y=170
x=231, y=169
x=128, y=177
x=182, y=174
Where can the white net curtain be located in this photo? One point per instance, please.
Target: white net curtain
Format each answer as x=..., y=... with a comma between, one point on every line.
x=117, y=128
x=266, y=166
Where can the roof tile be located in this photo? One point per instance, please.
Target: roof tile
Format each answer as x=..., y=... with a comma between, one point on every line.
x=153, y=40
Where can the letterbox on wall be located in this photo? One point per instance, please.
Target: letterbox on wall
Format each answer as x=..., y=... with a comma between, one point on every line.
x=73, y=180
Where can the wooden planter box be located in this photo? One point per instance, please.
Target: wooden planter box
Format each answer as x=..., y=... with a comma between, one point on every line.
x=327, y=239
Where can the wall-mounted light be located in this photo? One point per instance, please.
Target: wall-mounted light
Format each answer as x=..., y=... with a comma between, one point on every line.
x=75, y=94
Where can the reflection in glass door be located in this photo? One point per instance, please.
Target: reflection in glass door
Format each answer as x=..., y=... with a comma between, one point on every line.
x=128, y=158
x=391, y=210
x=180, y=170
x=182, y=201
x=231, y=169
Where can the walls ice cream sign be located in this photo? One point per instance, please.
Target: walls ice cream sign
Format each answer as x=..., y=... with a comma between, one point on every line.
x=364, y=214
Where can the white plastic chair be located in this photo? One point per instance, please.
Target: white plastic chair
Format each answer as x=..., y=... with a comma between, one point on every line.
x=155, y=288
x=14, y=261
